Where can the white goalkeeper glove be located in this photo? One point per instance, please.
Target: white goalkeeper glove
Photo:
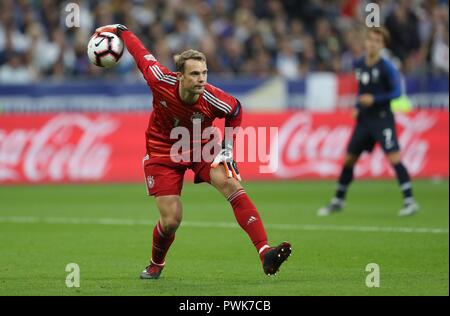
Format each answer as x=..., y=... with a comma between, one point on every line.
x=225, y=157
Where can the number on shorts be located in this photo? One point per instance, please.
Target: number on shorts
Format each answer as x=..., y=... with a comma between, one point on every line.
x=387, y=132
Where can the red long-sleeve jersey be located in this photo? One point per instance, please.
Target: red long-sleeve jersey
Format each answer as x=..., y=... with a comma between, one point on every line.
x=169, y=110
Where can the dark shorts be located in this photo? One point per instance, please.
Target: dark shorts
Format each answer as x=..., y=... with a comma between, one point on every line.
x=369, y=131
x=165, y=177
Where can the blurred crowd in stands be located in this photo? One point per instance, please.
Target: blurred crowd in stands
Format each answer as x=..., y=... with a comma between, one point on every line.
x=252, y=38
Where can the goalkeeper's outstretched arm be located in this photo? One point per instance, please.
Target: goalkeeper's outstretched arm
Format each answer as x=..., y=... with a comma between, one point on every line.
x=150, y=68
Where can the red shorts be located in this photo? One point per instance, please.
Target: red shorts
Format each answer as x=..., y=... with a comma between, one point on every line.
x=165, y=177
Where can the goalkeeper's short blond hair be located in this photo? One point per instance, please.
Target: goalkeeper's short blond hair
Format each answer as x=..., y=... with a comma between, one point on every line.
x=180, y=59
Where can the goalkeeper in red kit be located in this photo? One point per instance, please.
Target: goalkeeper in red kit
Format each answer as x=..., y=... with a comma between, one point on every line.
x=178, y=98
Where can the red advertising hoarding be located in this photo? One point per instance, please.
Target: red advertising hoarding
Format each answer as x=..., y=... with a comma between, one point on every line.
x=108, y=147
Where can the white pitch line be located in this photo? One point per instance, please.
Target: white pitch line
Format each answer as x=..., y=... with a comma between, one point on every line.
x=132, y=222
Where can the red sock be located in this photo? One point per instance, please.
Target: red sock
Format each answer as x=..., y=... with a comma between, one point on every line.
x=248, y=218
x=161, y=244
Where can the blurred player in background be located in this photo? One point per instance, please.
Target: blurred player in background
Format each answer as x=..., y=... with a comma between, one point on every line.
x=179, y=98
x=378, y=84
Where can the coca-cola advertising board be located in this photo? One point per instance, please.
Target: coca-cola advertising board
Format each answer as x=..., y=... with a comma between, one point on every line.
x=109, y=147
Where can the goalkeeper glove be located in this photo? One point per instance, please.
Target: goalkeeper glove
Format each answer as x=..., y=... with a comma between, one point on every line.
x=112, y=28
x=225, y=157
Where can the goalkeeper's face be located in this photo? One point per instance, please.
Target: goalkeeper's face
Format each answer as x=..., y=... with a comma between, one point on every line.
x=194, y=77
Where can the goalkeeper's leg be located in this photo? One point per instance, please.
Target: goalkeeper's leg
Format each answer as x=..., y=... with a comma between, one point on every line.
x=170, y=209
x=249, y=219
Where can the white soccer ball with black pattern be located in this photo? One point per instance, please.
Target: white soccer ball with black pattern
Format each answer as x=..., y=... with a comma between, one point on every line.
x=105, y=49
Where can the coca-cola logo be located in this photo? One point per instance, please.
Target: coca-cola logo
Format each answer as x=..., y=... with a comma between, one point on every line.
x=67, y=147
x=305, y=148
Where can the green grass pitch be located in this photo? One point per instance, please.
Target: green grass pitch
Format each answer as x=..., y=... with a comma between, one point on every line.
x=107, y=229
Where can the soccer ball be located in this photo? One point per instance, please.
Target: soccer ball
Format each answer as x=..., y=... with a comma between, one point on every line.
x=105, y=49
